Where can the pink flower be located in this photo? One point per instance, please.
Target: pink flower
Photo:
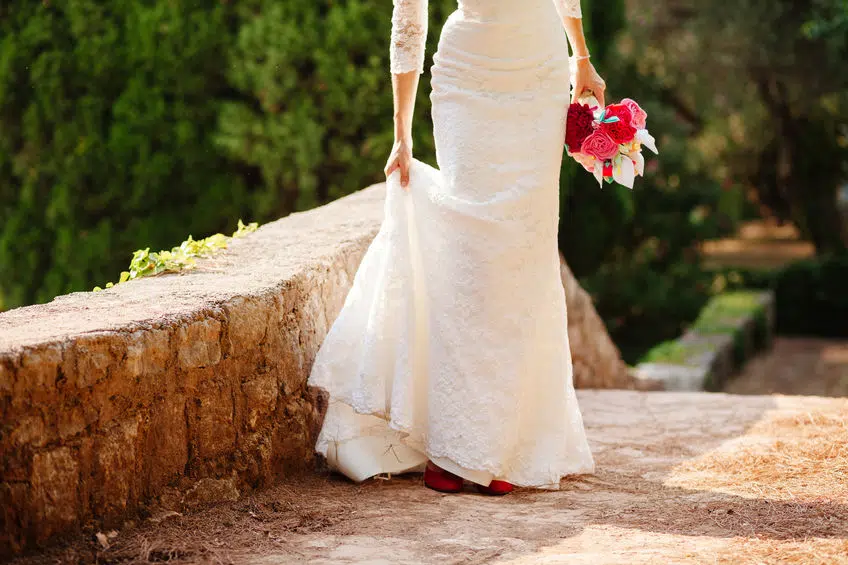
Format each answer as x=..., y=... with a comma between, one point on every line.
x=600, y=146
x=638, y=115
x=587, y=161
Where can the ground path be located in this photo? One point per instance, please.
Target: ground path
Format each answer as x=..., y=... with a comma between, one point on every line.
x=796, y=365
x=681, y=478
x=758, y=245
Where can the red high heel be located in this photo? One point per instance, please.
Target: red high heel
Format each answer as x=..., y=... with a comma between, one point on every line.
x=496, y=488
x=438, y=479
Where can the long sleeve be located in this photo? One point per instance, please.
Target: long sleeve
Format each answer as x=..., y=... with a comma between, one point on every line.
x=409, y=35
x=568, y=8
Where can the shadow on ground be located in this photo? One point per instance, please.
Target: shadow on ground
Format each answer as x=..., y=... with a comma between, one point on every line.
x=681, y=478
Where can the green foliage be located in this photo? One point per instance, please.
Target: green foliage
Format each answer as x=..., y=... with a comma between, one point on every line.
x=723, y=312
x=146, y=263
x=829, y=22
x=811, y=297
x=676, y=352
x=721, y=315
x=314, y=115
x=127, y=124
x=635, y=251
x=766, y=93
x=643, y=305
x=107, y=114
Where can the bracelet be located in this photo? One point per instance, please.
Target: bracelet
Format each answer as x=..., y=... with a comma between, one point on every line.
x=581, y=57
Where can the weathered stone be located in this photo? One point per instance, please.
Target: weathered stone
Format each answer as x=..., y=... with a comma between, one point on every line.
x=7, y=378
x=247, y=323
x=14, y=502
x=30, y=430
x=260, y=469
x=111, y=398
x=261, y=395
x=94, y=356
x=116, y=468
x=665, y=376
x=214, y=429
x=147, y=352
x=39, y=368
x=706, y=360
x=170, y=499
x=71, y=420
x=166, y=442
x=193, y=379
x=597, y=361
x=284, y=343
x=277, y=346
x=199, y=344
x=16, y=463
x=54, y=483
x=211, y=490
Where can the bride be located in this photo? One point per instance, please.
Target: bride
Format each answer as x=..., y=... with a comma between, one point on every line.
x=450, y=354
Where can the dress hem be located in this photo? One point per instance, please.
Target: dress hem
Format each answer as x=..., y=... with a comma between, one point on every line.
x=390, y=452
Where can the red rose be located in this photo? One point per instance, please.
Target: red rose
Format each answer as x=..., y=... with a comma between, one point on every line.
x=621, y=130
x=640, y=116
x=600, y=145
x=578, y=126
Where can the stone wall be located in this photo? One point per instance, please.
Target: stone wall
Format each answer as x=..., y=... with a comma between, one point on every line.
x=174, y=390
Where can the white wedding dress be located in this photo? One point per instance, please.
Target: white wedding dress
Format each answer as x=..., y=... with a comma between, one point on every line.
x=452, y=343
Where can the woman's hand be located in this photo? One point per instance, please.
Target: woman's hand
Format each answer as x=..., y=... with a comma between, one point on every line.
x=586, y=78
x=400, y=158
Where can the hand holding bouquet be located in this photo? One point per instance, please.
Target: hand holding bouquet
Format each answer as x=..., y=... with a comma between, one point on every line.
x=608, y=141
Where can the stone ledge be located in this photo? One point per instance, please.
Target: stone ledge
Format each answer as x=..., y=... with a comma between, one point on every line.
x=184, y=388
x=704, y=358
x=110, y=399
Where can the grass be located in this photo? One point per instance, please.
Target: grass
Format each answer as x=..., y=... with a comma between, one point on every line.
x=723, y=314
x=675, y=352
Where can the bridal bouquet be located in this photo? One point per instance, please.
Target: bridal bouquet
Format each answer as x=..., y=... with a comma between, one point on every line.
x=608, y=141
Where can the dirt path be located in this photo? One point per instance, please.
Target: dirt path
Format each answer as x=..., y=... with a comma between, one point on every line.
x=758, y=245
x=681, y=478
x=796, y=366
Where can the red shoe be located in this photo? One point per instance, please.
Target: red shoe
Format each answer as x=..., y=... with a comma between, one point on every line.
x=438, y=479
x=496, y=488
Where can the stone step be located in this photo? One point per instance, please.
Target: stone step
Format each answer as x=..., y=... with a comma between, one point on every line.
x=714, y=348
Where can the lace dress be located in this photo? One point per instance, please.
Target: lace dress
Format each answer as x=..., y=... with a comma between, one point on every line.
x=452, y=343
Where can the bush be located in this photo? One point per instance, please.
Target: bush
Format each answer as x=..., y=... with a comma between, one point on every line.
x=313, y=116
x=107, y=115
x=811, y=297
x=127, y=125
x=642, y=305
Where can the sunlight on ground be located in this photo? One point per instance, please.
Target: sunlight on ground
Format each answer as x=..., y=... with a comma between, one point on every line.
x=801, y=457
x=610, y=545
x=758, y=245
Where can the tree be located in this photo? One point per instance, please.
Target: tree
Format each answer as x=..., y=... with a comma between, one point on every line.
x=768, y=92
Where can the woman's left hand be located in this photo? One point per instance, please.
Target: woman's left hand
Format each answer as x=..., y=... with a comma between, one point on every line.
x=586, y=78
